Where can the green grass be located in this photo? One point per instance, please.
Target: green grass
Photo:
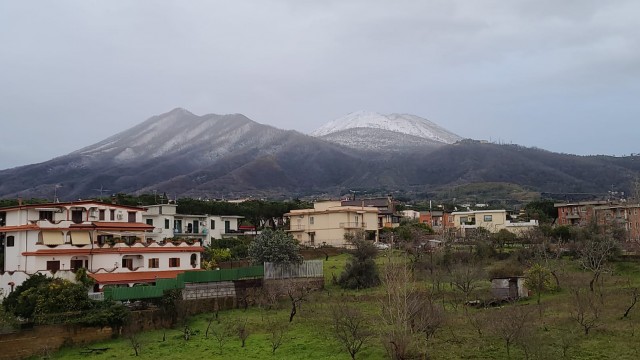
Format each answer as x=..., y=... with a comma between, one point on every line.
x=310, y=334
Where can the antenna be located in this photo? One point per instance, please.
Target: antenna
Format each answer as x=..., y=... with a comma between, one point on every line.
x=55, y=193
x=102, y=190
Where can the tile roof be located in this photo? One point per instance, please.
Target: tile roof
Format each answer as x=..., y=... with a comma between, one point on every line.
x=134, y=276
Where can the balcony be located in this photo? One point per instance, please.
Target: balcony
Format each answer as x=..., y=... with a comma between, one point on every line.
x=353, y=225
x=186, y=232
x=297, y=227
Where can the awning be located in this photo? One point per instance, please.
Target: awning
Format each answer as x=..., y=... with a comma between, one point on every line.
x=52, y=237
x=80, y=238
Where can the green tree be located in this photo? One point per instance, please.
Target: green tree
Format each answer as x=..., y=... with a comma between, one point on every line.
x=538, y=278
x=275, y=246
x=22, y=301
x=361, y=271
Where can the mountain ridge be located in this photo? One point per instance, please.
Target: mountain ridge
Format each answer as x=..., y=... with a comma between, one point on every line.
x=231, y=155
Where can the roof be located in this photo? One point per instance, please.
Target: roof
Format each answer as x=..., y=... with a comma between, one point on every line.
x=380, y=202
x=104, y=225
x=19, y=228
x=70, y=204
x=134, y=276
x=333, y=210
x=478, y=212
x=114, y=250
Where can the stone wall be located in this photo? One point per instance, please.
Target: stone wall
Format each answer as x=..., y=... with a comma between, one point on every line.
x=46, y=339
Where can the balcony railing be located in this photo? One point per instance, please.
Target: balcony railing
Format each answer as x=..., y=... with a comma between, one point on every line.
x=297, y=227
x=353, y=225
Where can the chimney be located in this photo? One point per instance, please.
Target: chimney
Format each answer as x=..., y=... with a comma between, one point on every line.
x=19, y=200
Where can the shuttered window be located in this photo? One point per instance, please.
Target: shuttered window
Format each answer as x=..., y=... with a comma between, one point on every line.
x=80, y=238
x=52, y=237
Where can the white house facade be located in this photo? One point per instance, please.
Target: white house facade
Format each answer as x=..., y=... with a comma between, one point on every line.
x=110, y=241
x=168, y=225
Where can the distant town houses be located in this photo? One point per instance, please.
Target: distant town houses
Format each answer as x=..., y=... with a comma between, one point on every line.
x=462, y=222
x=619, y=213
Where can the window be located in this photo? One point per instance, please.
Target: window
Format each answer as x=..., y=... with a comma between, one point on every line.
x=160, y=209
x=76, y=216
x=488, y=218
x=10, y=241
x=154, y=263
x=213, y=224
x=194, y=260
x=311, y=220
x=112, y=214
x=132, y=216
x=53, y=265
x=174, y=262
x=76, y=264
x=46, y=215
x=463, y=220
x=127, y=263
x=150, y=222
x=101, y=215
x=166, y=223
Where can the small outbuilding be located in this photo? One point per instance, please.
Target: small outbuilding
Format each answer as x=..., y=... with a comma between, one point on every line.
x=509, y=288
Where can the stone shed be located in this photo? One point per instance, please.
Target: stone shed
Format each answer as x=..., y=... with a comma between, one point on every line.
x=509, y=288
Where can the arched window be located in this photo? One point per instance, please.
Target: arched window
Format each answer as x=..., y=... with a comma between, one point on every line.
x=194, y=260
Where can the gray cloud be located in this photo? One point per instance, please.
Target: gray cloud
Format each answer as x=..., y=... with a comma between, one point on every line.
x=557, y=75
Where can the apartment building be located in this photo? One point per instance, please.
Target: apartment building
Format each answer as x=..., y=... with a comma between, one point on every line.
x=329, y=221
x=168, y=225
x=110, y=241
x=492, y=220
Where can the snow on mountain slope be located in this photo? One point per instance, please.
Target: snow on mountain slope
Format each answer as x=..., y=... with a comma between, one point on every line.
x=179, y=131
x=399, y=123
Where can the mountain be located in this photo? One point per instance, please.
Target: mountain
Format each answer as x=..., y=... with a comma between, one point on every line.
x=215, y=156
x=185, y=154
x=377, y=132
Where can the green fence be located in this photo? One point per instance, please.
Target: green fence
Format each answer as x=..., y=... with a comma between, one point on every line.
x=162, y=285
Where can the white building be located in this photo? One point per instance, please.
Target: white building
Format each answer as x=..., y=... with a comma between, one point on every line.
x=111, y=241
x=492, y=220
x=329, y=221
x=169, y=225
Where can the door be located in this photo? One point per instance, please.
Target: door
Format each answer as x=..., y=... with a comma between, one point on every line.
x=196, y=227
x=227, y=226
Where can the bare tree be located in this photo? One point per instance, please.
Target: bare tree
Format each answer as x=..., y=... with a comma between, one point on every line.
x=277, y=332
x=466, y=277
x=586, y=308
x=594, y=254
x=221, y=333
x=297, y=293
x=136, y=344
x=634, y=293
x=511, y=323
x=242, y=330
x=547, y=254
x=411, y=316
x=350, y=328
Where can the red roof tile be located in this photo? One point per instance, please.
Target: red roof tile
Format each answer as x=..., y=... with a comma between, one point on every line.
x=134, y=276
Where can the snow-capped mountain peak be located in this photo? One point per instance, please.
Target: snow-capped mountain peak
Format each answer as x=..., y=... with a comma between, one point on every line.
x=399, y=123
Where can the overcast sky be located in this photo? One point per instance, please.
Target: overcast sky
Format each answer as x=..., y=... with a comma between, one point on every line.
x=560, y=75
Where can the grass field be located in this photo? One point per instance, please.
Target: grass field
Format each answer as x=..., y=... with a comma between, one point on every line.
x=467, y=333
